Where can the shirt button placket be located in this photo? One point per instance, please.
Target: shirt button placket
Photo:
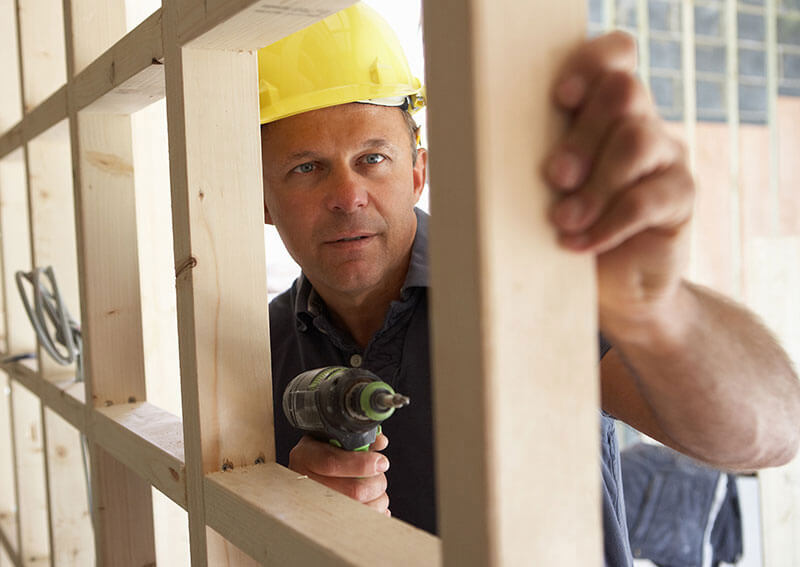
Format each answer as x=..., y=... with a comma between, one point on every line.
x=356, y=360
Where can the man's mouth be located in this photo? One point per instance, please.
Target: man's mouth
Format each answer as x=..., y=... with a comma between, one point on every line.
x=352, y=238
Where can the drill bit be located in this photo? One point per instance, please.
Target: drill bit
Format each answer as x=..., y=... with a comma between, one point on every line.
x=386, y=401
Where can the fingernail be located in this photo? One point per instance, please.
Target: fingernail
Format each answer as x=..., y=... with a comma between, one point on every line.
x=382, y=464
x=566, y=170
x=570, y=92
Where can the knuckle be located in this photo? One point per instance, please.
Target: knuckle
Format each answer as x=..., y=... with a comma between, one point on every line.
x=364, y=490
x=633, y=137
x=635, y=204
x=328, y=464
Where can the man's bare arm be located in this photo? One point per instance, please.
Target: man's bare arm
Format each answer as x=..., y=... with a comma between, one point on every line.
x=711, y=383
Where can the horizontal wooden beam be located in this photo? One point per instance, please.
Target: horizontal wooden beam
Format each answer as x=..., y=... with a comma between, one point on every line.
x=11, y=139
x=247, y=24
x=266, y=510
x=124, y=79
x=46, y=115
x=282, y=518
x=65, y=397
x=128, y=76
x=146, y=439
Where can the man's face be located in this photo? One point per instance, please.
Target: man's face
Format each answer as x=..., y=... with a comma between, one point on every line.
x=340, y=187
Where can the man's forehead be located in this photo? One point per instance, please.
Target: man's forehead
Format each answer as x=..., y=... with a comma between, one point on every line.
x=358, y=123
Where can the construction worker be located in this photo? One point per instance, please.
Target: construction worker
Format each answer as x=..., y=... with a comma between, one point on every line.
x=342, y=175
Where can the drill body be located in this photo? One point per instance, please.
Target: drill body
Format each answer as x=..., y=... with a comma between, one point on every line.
x=342, y=405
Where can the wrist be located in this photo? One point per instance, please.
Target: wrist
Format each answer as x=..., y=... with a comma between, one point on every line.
x=661, y=327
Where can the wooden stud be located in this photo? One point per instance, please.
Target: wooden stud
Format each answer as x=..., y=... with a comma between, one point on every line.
x=15, y=251
x=515, y=375
x=159, y=316
x=8, y=502
x=778, y=275
x=34, y=545
x=111, y=319
x=221, y=280
x=10, y=91
x=733, y=122
x=16, y=254
x=52, y=225
x=41, y=32
x=110, y=300
x=71, y=528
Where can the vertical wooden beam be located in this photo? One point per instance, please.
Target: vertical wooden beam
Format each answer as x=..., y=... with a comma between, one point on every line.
x=16, y=254
x=15, y=250
x=34, y=545
x=217, y=208
x=643, y=36
x=778, y=275
x=514, y=327
x=112, y=328
x=771, y=23
x=53, y=230
x=10, y=86
x=72, y=538
x=159, y=318
x=689, y=79
x=41, y=30
x=52, y=224
x=732, y=116
x=8, y=494
x=109, y=283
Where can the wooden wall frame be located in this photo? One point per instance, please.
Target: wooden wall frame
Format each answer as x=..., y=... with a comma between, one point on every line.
x=503, y=388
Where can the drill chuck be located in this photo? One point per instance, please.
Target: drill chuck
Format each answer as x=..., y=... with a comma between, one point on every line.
x=343, y=405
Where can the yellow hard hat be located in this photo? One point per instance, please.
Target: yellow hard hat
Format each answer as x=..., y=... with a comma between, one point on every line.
x=350, y=56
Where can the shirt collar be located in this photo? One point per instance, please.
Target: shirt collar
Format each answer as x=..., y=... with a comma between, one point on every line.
x=310, y=303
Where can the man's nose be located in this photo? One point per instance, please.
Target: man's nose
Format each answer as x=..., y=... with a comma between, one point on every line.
x=347, y=192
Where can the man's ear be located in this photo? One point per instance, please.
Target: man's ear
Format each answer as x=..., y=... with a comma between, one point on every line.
x=420, y=172
x=267, y=217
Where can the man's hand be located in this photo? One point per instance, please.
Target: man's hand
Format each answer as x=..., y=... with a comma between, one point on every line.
x=625, y=188
x=357, y=474
x=688, y=367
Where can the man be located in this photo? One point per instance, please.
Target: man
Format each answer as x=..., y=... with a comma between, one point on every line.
x=342, y=174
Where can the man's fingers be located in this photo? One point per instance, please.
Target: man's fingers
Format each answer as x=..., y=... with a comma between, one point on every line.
x=380, y=443
x=311, y=456
x=636, y=148
x=367, y=489
x=381, y=504
x=615, y=51
x=618, y=95
x=661, y=202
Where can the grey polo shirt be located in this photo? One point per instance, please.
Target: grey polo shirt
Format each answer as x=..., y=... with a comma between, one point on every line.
x=303, y=337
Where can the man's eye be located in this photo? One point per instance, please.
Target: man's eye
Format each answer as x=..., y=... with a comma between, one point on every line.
x=374, y=158
x=307, y=167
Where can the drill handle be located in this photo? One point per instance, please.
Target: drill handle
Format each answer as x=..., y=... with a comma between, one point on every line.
x=353, y=441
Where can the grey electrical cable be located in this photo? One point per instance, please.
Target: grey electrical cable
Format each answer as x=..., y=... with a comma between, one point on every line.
x=50, y=303
x=67, y=333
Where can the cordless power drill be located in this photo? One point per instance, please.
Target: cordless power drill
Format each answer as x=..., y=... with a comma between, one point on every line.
x=341, y=405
